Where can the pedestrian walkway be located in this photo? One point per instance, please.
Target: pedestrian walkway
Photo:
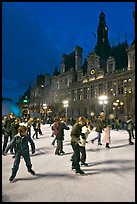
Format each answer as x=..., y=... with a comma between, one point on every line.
x=109, y=177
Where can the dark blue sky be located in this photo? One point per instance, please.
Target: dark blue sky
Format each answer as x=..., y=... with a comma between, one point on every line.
x=36, y=34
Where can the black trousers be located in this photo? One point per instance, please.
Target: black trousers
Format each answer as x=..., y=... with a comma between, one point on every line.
x=36, y=133
x=59, y=147
x=26, y=157
x=76, y=155
x=54, y=140
x=29, y=131
x=82, y=154
x=130, y=136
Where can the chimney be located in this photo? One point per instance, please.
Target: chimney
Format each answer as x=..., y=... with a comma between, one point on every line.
x=78, y=58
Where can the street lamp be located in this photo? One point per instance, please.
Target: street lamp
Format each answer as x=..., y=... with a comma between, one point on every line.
x=45, y=108
x=117, y=105
x=65, y=103
x=103, y=101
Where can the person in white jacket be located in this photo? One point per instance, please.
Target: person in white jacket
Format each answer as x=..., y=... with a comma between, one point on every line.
x=86, y=129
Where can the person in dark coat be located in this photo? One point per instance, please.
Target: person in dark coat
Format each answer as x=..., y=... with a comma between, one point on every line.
x=129, y=128
x=75, y=134
x=99, y=127
x=7, y=127
x=60, y=136
x=35, y=125
x=39, y=126
x=14, y=131
x=20, y=142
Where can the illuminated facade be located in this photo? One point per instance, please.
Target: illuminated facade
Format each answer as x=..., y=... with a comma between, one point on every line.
x=108, y=70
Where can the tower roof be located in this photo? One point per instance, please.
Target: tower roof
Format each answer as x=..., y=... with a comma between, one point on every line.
x=102, y=15
x=120, y=55
x=70, y=61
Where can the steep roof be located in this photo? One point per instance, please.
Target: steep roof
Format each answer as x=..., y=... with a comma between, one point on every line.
x=84, y=67
x=120, y=54
x=133, y=42
x=69, y=61
x=56, y=72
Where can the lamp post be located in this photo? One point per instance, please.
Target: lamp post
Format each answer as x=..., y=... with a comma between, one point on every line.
x=65, y=103
x=103, y=101
x=117, y=105
x=45, y=108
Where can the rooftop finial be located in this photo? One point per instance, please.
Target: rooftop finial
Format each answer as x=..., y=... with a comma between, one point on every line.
x=126, y=36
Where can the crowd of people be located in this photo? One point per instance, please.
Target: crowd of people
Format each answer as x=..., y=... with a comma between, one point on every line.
x=17, y=134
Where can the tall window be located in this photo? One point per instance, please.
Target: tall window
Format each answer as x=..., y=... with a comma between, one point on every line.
x=127, y=86
x=92, y=91
x=101, y=89
x=74, y=95
x=110, y=68
x=85, y=93
x=78, y=111
x=120, y=86
x=112, y=88
x=85, y=111
x=79, y=96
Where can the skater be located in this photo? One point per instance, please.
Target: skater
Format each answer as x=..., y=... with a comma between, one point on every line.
x=7, y=127
x=129, y=128
x=14, y=131
x=107, y=135
x=86, y=129
x=60, y=136
x=55, y=130
x=99, y=127
x=35, y=125
x=75, y=139
x=20, y=142
x=29, y=125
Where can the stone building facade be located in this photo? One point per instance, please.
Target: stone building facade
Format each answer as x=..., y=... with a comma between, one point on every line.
x=107, y=70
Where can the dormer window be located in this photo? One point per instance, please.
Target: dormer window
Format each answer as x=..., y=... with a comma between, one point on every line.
x=110, y=65
x=63, y=69
x=110, y=68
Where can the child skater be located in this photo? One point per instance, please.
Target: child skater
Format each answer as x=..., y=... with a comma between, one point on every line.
x=107, y=135
x=20, y=143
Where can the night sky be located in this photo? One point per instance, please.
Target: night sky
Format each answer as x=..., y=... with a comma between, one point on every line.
x=35, y=35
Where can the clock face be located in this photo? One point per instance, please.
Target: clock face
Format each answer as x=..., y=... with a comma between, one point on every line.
x=92, y=71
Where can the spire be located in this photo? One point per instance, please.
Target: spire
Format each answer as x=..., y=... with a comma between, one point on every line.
x=134, y=27
x=55, y=73
x=102, y=47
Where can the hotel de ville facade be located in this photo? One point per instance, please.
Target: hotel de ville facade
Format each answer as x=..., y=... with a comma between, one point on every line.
x=107, y=70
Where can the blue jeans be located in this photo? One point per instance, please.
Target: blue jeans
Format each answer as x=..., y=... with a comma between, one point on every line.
x=98, y=137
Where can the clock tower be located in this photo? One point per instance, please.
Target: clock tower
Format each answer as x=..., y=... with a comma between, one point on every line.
x=102, y=48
